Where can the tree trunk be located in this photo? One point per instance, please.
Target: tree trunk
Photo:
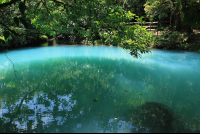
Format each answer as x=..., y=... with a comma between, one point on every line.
x=170, y=20
x=178, y=22
x=189, y=31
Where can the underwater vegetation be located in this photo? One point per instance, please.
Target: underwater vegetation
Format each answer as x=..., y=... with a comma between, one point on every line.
x=153, y=117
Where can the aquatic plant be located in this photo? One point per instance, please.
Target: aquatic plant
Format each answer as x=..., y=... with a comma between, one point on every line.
x=153, y=117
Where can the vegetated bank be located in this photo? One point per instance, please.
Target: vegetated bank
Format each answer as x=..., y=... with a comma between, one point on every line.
x=23, y=23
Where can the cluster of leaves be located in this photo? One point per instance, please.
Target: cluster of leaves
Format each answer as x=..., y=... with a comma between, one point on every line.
x=158, y=8
x=137, y=40
x=172, y=40
x=15, y=28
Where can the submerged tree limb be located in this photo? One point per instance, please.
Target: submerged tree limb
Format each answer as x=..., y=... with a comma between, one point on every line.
x=13, y=65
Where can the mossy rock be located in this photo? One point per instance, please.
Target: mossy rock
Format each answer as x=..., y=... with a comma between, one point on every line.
x=43, y=38
x=153, y=117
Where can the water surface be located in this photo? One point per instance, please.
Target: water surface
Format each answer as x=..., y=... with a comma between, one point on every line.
x=55, y=88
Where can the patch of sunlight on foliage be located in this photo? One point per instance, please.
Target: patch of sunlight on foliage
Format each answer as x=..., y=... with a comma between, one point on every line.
x=4, y=1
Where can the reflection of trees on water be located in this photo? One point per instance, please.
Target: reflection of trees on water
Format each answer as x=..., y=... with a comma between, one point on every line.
x=64, y=89
x=62, y=100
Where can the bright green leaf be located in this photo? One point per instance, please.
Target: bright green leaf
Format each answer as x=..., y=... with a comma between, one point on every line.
x=2, y=40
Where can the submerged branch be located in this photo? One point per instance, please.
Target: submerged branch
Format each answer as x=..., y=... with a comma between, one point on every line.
x=13, y=65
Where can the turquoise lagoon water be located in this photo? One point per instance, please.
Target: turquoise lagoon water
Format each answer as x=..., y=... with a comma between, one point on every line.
x=55, y=88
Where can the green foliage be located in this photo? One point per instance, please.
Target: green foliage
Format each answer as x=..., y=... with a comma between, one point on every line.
x=94, y=22
x=137, y=40
x=158, y=8
x=172, y=40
